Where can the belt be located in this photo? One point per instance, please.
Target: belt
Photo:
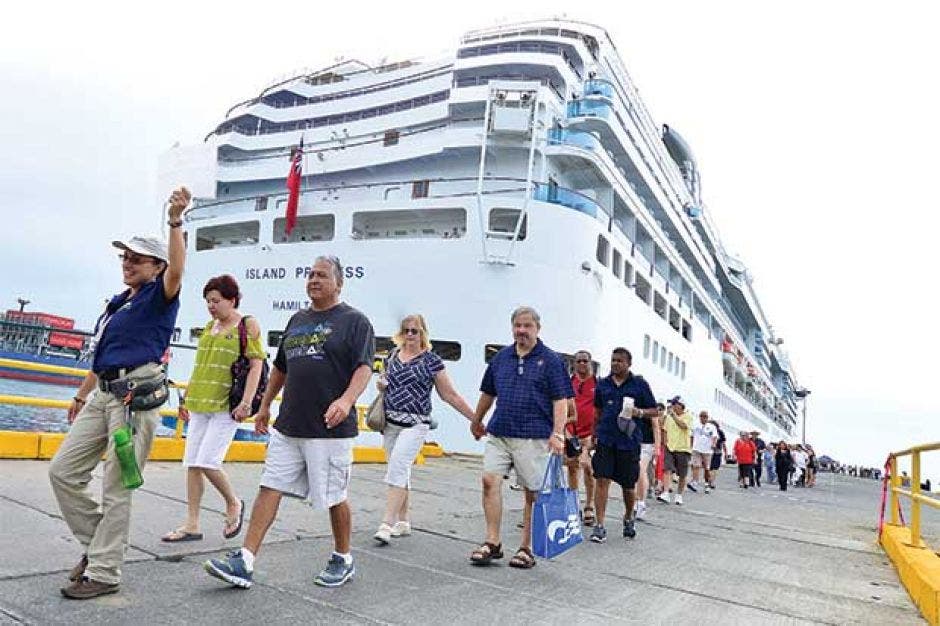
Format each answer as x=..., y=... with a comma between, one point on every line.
x=107, y=377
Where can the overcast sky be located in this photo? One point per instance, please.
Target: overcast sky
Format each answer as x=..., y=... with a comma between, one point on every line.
x=815, y=125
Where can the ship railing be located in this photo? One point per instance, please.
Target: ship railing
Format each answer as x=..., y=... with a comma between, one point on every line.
x=598, y=87
x=578, y=139
x=588, y=108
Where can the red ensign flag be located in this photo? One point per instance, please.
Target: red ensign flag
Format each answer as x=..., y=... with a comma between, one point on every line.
x=293, y=187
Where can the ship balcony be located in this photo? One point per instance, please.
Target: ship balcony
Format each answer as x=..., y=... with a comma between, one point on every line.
x=569, y=198
x=577, y=139
x=588, y=108
x=598, y=87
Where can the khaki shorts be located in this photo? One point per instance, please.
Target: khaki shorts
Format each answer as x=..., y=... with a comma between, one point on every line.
x=528, y=457
x=701, y=459
x=315, y=469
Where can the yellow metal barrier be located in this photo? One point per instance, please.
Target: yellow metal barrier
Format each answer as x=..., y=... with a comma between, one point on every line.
x=918, y=566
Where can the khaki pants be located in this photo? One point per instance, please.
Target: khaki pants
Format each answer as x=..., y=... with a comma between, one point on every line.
x=101, y=530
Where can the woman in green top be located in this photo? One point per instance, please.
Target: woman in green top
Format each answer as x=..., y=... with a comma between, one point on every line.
x=206, y=407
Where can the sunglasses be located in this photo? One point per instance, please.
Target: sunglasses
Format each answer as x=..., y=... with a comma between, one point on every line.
x=134, y=259
x=411, y=331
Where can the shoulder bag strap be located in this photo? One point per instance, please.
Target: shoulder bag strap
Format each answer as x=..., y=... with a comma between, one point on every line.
x=242, y=336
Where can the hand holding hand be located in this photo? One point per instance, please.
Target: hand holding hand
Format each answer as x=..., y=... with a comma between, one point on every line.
x=178, y=201
x=336, y=412
x=262, y=417
x=477, y=429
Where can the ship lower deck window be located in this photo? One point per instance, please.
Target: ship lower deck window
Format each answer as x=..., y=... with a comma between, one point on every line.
x=655, y=352
x=686, y=330
x=307, y=228
x=646, y=346
x=196, y=332
x=617, y=264
x=643, y=289
x=490, y=350
x=674, y=319
x=683, y=370
x=227, y=235
x=603, y=250
x=410, y=224
x=627, y=274
x=274, y=338
x=506, y=221
x=659, y=305
x=420, y=188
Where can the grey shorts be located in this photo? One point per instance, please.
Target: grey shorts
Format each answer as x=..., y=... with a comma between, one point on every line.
x=529, y=457
x=677, y=462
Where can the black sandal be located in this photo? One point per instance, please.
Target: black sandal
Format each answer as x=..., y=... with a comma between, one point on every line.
x=522, y=559
x=486, y=553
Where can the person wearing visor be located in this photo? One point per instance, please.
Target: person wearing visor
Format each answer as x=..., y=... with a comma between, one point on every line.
x=131, y=338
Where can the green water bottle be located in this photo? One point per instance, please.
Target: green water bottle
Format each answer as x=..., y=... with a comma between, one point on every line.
x=124, y=450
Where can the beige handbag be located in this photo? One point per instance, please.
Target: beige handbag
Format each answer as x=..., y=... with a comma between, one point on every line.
x=375, y=416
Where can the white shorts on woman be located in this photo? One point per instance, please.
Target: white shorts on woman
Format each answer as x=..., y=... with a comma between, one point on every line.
x=402, y=445
x=208, y=437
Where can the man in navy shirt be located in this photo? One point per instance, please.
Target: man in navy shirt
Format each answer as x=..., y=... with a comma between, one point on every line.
x=617, y=452
x=531, y=388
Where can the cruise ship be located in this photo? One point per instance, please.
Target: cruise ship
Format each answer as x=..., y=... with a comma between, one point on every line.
x=523, y=168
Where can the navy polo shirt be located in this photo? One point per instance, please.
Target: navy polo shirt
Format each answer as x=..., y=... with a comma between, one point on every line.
x=525, y=388
x=608, y=397
x=136, y=330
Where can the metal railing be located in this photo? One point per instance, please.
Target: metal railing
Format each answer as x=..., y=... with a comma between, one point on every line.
x=914, y=492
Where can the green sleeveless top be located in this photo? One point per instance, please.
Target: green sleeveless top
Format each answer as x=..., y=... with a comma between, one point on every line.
x=211, y=379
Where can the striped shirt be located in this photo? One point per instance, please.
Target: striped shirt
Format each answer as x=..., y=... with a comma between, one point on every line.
x=211, y=379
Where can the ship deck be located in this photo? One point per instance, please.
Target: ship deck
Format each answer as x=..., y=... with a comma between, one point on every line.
x=731, y=557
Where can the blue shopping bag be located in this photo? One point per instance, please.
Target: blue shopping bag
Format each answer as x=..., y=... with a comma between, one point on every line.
x=556, y=516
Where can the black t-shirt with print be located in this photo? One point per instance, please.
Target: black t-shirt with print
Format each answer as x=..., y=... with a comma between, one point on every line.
x=319, y=352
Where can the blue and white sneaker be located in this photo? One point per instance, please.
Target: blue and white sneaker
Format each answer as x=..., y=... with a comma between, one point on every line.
x=232, y=569
x=336, y=572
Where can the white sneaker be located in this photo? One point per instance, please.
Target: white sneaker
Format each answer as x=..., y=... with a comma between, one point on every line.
x=401, y=529
x=640, y=510
x=384, y=534
x=663, y=497
x=678, y=498
x=707, y=488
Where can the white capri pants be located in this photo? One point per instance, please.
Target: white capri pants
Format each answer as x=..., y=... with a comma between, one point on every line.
x=207, y=439
x=401, y=447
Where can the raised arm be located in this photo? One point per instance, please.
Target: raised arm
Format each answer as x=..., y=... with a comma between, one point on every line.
x=173, y=276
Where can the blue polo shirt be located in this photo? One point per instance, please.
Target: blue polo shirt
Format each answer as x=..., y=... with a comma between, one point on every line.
x=608, y=397
x=525, y=388
x=136, y=330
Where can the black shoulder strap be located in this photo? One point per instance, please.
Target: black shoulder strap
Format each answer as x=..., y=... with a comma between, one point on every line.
x=242, y=336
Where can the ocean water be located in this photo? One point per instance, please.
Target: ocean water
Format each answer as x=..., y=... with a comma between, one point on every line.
x=13, y=417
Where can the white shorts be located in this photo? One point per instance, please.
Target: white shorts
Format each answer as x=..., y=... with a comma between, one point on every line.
x=208, y=437
x=317, y=470
x=401, y=447
x=647, y=451
x=528, y=457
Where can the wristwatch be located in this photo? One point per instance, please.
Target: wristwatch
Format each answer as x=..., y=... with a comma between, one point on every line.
x=175, y=224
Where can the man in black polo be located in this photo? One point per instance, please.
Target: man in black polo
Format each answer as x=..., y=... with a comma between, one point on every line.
x=617, y=449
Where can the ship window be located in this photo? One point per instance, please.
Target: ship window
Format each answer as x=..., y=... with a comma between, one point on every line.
x=261, y=203
x=617, y=263
x=506, y=220
x=643, y=289
x=683, y=370
x=675, y=319
x=420, y=188
x=669, y=362
x=662, y=355
x=490, y=350
x=646, y=346
x=391, y=137
x=450, y=223
x=307, y=228
x=659, y=305
x=603, y=250
x=686, y=330
x=627, y=274
x=228, y=235
x=655, y=352
x=195, y=333
x=274, y=338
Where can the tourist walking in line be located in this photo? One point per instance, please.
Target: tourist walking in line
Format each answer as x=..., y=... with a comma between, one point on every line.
x=650, y=442
x=704, y=439
x=410, y=374
x=131, y=338
x=323, y=363
x=783, y=461
x=207, y=408
x=759, y=447
x=719, y=454
x=768, y=461
x=799, y=463
x=745, y=453
x=584, y=383
x=617, y=453
x=811, y=466
x=530, y=386
x=678, y=425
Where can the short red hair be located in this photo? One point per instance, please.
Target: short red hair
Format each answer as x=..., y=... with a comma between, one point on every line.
x=227, y=287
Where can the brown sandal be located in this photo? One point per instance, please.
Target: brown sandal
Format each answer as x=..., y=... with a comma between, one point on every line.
x=486, y=553
x=523, y=559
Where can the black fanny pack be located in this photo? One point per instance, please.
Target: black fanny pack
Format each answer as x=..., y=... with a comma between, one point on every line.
x=145, y=393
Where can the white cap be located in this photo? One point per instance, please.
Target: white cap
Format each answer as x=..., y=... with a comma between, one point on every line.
x=149, y=245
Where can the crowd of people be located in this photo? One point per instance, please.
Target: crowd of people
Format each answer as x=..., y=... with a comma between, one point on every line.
x=610, y=429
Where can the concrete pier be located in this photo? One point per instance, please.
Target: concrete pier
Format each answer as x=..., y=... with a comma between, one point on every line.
x=807, y=556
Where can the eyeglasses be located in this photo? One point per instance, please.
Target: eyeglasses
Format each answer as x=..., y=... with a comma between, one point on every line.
x=134, y=259
x=411, y=331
